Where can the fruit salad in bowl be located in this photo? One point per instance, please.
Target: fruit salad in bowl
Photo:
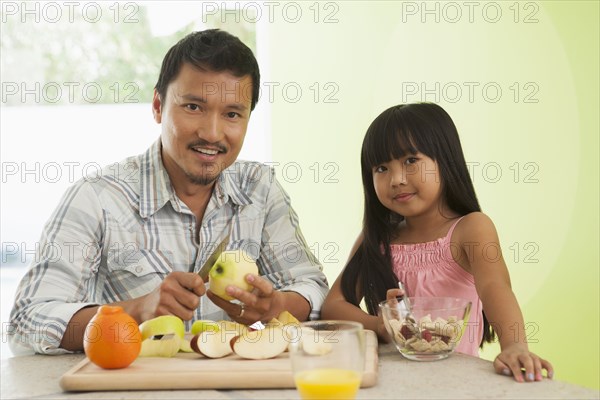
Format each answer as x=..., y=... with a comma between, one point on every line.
x=425, y=328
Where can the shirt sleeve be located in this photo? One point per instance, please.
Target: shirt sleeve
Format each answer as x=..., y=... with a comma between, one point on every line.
x=285, y=256
x=57, y=283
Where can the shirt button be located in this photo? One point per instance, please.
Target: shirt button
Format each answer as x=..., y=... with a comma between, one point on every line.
x=139, y=269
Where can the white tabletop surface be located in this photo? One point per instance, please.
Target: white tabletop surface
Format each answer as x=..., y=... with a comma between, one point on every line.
x=458, y=377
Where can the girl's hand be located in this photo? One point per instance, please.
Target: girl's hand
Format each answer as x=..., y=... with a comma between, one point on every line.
x=382, y=333
x=391, y=294
x=524, y=366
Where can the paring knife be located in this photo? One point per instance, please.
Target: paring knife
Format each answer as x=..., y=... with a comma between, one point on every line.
x=212, y=259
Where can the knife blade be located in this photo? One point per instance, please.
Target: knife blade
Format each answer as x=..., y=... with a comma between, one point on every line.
x=210, y=261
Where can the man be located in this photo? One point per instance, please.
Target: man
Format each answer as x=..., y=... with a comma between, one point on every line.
x=137, y=235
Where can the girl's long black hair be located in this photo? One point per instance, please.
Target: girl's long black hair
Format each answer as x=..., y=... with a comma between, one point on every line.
x=400, y=130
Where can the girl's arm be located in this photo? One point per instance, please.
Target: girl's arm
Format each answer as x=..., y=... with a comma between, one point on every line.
x=476, y=235
x=336, y=306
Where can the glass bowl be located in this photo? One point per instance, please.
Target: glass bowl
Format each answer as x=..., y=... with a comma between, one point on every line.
x=425, y=328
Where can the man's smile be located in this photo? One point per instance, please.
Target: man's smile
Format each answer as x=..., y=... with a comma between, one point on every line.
x=210, y=152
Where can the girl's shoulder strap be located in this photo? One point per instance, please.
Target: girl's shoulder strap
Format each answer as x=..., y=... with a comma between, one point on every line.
x=451, y=230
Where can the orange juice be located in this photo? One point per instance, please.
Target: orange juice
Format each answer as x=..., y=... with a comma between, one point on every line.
x=327, y=383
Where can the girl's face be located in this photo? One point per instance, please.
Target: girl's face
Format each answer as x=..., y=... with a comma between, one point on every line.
x=409, y=186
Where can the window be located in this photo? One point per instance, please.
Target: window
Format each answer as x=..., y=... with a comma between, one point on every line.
x=77, y=81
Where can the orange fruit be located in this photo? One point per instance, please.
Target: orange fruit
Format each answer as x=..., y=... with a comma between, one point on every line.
x=112, y=338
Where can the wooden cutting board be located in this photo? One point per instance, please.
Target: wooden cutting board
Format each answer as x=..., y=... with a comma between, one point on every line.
x=193, y=371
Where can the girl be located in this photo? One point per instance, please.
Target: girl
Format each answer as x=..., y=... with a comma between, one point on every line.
x=423, y=226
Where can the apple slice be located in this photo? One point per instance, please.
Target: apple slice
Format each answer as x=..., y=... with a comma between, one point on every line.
x=185, y=345
x=286, y=318
x=161, y=346
x=259, y=345
x=286, y=321
x=315, y=342
x=274, y=322
x=212, y=344
x=231, y=268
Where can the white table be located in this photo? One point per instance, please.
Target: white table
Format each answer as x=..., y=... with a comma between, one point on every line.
x=458, y=377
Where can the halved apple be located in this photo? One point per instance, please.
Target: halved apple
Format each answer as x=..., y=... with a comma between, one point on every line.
x=163, y=325
x=157, y=346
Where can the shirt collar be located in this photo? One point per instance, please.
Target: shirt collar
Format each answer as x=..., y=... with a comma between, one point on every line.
x=156, y=189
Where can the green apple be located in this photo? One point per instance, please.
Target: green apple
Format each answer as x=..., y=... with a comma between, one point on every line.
x=232, y=326
x=205, y=325
x=163, y=325
x=231, y=268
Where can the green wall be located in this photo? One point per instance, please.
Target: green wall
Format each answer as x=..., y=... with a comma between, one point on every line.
x=522, y=87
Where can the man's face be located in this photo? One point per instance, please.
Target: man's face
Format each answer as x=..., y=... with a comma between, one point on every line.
x=204, y=119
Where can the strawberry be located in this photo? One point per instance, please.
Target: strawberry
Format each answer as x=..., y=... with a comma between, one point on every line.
x=425, y=334
x=406, y=332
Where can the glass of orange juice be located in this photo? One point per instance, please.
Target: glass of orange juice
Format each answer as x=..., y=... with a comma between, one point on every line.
x=328, y=359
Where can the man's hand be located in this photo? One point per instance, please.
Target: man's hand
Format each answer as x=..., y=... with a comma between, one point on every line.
x=178, y=294
x=263, y=303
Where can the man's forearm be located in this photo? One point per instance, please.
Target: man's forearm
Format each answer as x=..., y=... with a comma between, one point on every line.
x=297, y=305
x=73, y=338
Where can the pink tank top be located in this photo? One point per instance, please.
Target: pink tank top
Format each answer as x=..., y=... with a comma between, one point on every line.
x=428, y=270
